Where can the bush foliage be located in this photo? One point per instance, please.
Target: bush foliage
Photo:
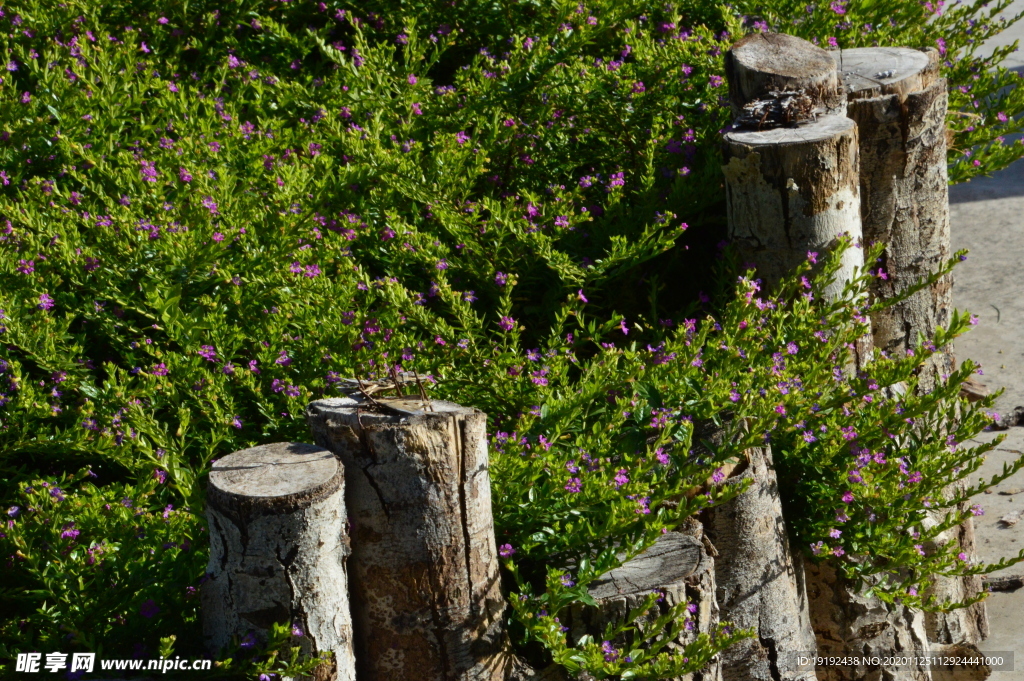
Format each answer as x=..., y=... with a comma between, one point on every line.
x=210, y=215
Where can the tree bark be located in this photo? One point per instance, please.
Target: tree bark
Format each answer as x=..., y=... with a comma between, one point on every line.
x=901, y=123
x=848, y=623
x=278, y=550
x=757, y=584
x=793, y=190
x=426, y=596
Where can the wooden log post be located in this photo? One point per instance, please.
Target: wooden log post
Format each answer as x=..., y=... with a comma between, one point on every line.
x=899, y=101
x=791, y=161
x=793, y=188
x=680, y=566
x=426, y=598
x=758, y=585
x=278, y=551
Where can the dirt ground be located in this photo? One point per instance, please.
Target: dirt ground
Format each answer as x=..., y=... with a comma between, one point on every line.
x=987, y=216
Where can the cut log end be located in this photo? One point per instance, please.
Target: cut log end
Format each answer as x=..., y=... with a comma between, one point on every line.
x=281, y=476
x=869, y=72
x=762, y=63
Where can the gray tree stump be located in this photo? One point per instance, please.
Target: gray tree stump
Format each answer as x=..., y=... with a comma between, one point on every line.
x=901, y=123
x=793, y=190
x=278, y=550
x=758, y=585
x=762, y=63
x=424, y=575
x=679, y=566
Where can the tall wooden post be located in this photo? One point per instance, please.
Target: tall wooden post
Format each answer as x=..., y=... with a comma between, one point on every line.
x=791, y=162
x=425, y=586
x=278, y=550
x=898, y=101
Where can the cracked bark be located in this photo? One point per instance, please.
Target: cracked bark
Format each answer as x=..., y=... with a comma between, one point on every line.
x=278, y=549
x=425, y=586
x=759, y=581
x=795, y=189
x=901, y=126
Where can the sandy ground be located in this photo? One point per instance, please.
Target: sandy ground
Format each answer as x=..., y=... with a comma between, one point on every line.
x=987, y=216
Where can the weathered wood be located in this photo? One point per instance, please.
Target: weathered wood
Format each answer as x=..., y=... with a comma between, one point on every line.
x=901, y=126
x=425, y=586
x=757, y=583
x=964, y=626
x=278, y=550
x=847, y=623
x=762, y=63
x=679, y=566
x=793, y=190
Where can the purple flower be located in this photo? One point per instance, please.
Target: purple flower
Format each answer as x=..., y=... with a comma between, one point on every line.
x=507, y=323
x=26, y=98
x=848, y=497
x=26, y=266
x=567, y=580
x=149, y=173
x=158, y=370
x=184, y=175
x=500, y=278
x=45, y=302
x=149, y=608
x=718, y=475
x=208, y=352
x=14, y=511
x=237, y=423
x=69, y=532
x=506, y=550
x=461, y=137
x=621, y=478
x=835, y=534
x=160, y=476
x=575, y=485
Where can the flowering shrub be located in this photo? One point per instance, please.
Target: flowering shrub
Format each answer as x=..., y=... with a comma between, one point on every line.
x=211, y=215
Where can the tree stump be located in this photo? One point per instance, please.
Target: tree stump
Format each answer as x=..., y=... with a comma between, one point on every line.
x=278, y=550
x=424, y=580
x=757, y=584
x=848, y=623
x=898, y=102
x=679, y=566
x=761, y=64
x=901, y=125
x=793, y=190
